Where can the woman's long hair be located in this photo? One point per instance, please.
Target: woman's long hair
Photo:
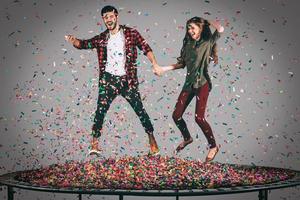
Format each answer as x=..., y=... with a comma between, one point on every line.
x=205, y=34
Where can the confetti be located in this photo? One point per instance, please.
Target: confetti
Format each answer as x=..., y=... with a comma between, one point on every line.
x=151, y=172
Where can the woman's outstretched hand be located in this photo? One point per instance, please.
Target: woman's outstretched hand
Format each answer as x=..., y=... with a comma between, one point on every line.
x=157, y=70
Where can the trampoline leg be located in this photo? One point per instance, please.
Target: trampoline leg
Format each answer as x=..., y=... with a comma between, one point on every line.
x=80, y=196
x=10, y=193
x=120, y=197
x=263, y=195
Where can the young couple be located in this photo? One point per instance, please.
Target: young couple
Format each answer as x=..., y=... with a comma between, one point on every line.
x=117, y=54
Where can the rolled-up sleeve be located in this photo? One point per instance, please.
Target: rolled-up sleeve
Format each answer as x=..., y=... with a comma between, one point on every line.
x=141, y=43
x=89, y=43
x=215, y=36
x=180, y=59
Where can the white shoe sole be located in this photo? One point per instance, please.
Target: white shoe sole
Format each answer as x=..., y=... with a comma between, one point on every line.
x=94, y=152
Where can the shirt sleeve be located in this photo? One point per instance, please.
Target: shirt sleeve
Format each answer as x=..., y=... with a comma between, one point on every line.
x=180, y=59
x=90, y=43
x=215, y=36
x=141, y=43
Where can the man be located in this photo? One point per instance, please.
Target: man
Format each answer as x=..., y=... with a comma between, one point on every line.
x=117, y=54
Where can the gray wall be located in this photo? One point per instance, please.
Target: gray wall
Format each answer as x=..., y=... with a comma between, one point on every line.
x=49, y=89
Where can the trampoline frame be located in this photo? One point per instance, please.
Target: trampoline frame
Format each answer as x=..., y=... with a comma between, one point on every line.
x=263, y=190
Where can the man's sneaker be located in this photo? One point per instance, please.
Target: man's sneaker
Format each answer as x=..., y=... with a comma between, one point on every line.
x=95, y=152
x=94, y=145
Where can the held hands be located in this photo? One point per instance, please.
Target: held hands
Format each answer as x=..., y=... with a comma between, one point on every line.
x=158, y=70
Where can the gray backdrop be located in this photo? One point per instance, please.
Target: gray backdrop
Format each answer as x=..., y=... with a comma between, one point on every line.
x=49, y=89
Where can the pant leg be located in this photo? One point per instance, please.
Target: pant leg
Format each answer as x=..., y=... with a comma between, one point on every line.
x=201, y=101
x=107, y=93
x=133, y=97
x=183, y=101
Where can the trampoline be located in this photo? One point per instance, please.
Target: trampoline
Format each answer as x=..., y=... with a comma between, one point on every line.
x=158, y=176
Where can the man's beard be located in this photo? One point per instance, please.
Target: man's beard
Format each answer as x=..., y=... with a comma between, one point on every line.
x=113, y=26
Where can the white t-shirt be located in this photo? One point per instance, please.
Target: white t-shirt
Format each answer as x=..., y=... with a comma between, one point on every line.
x=116, y=54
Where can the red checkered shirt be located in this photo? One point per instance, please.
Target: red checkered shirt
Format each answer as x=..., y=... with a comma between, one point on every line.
x=133, y=39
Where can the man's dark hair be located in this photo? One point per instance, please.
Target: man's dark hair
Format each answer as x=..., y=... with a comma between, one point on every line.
x=106, y=9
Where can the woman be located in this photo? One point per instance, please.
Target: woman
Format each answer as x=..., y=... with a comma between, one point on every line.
x=198, y=45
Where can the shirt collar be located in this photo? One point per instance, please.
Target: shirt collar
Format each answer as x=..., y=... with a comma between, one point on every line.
x=107, y=34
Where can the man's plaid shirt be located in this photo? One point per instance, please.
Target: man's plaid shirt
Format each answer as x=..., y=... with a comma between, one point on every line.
x=133, y=39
